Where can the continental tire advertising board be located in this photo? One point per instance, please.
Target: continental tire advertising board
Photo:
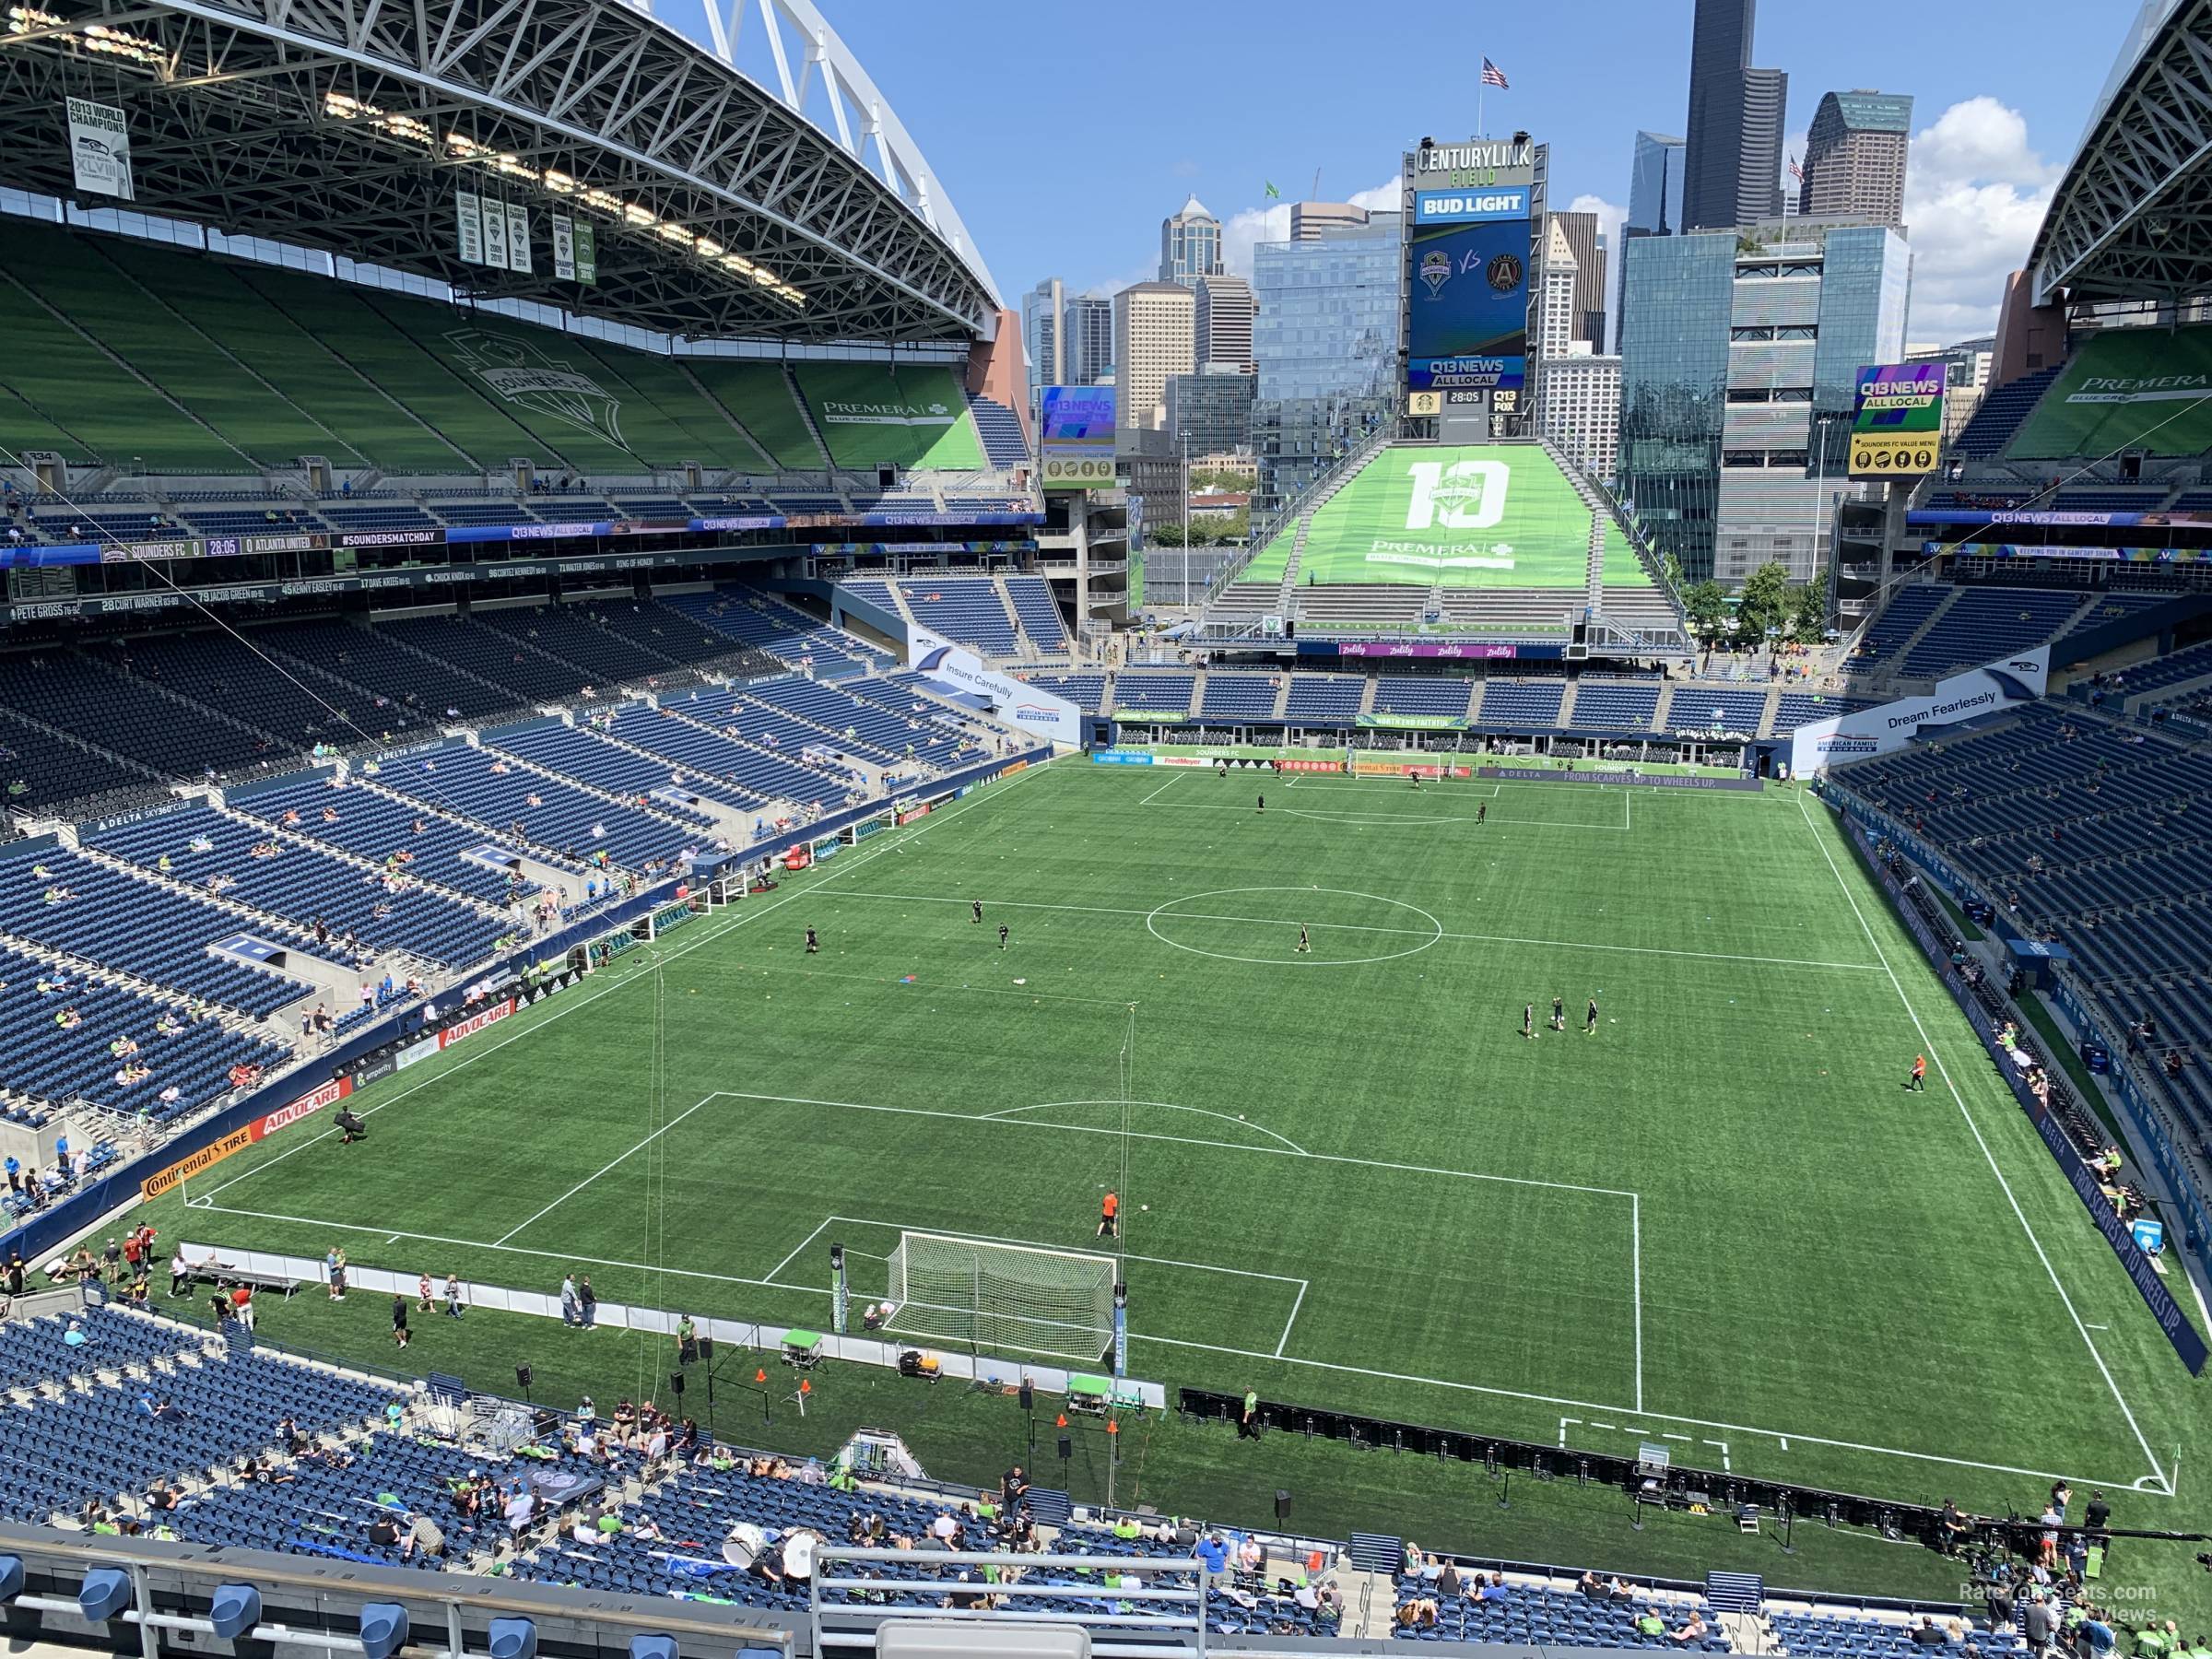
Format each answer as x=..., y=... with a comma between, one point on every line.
x=244, y=1135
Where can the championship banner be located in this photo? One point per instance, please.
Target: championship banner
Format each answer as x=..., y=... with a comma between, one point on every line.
x=468, y=227
x=564, y=248
x=518, y=238
x=587, y=255
x=495, y=234
x=99, y=148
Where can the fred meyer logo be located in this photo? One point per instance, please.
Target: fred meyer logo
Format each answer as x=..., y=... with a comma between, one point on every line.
x=1469, y=206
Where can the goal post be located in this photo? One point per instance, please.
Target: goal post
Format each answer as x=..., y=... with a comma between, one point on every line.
x=981, y=1296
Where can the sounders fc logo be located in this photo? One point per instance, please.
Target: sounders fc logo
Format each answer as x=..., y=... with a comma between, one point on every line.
x=521, y=373
x=1436, y=270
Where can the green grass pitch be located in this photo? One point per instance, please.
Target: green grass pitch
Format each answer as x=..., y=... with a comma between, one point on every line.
x=1720, y=1218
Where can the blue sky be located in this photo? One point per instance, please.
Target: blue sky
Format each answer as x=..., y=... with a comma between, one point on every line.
x=1065, y=132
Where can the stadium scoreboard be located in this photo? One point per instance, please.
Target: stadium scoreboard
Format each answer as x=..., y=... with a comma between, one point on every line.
x=1897, y=420
x=1471, y=215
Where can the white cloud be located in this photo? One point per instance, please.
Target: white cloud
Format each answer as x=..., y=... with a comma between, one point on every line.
x=1974, y=195
x=1241, y=230
x=1610, y=217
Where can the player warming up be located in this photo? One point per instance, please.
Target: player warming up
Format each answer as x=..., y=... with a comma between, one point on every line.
x=1305, y=945
x=975, y=909
x=1482, y=811
x=1109, y=1216
x=1002, y=935
x=1528, y=1019
x=1262, y=803
x=814, y=946
x=1919, y=1083
x=1590, y=1017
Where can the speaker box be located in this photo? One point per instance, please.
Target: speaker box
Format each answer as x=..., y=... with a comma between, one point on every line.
x=1028, y=1394
x=705, y=1346
x=1282, y=1503
x=1067, y=1446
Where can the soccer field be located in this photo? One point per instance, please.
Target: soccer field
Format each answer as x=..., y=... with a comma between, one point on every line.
x=1718, y=1218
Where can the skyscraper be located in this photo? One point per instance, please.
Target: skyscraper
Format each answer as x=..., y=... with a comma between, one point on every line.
x=1309, y=221
x=1739, y=359
x=1854, y=156
x=1087, y=340
x=1759, y=169
x=1224, y=323
x=1557, y=315
x=1732, y=161
x=1720, y=51
x=1190, y=244
x=1589, y=323
x=1042, y=309
x=1655, y=187
x=1154, y=325
x=1326, y=343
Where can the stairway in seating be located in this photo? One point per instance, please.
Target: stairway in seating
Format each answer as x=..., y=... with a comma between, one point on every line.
x=1895, y=662
x=1285, y=597
x=1595, y=577
x=1566, y=715
x=791, y=385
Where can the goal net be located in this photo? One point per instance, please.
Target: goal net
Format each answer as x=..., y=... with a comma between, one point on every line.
x=970, y=1294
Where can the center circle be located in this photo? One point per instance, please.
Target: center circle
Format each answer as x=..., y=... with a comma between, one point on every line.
x=1323, y=913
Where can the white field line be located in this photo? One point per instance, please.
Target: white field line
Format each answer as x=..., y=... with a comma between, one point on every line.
x=1101, y=910
x=1180, y=1140
x=1360, y=816
x=777, y=1271
x=1160, y=791
x=1280, y=1279
x=1990, y=1157
x=1636, y=1279
x=1298, y=1303
x=1167, y=1105
x=706, y=934
x=602, y=1170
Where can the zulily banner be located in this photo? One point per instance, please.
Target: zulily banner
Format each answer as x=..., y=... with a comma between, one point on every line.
x=1467, y=327
x=1889, y=726
x=960, y=673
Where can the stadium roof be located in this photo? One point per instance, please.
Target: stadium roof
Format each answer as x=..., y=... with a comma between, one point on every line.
x=720, y=207
x=2131, y=220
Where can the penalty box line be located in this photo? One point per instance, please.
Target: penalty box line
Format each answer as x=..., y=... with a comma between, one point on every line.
x=1285, y=1150
x=387, y=1232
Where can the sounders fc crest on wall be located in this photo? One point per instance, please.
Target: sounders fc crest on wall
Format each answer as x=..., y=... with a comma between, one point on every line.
x=522, y=374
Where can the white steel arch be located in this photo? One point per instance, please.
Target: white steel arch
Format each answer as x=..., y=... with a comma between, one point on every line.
x=860, y=120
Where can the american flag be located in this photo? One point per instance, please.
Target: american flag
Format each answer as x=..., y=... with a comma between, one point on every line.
x=1494, y=76
x=1796, y=171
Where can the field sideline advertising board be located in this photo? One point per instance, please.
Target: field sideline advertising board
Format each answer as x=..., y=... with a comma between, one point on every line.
x=1075, y=436
x=244, y=1135
x=1897, y=420
x=959, y=671
x=1889, y=726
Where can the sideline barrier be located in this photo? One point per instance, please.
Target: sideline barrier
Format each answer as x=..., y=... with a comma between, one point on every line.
x=1623, y=776
x=990, y=1369
x=365, y=1055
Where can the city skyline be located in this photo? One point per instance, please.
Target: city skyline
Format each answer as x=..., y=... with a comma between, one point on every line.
x=2004, y=127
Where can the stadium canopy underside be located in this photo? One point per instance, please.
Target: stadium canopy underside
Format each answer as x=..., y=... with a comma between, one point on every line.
x=2133, y=218
x=348, y=125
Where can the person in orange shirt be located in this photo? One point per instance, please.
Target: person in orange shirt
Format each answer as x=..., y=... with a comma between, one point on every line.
x=1109, y=1216
x=1919, y=1084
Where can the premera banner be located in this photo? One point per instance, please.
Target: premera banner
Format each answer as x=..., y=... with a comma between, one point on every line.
x=1074, y=438
x=1897, y=420
x=961, y=672
x=1467, y=326
x=1889, y=726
